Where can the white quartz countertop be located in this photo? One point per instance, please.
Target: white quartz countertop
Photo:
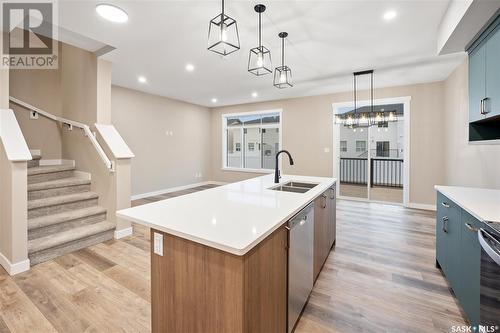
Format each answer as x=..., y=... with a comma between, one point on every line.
x=483, y=204
x=234, y=217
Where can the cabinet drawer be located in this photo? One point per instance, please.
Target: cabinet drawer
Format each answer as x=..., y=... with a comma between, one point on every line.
x=470, y=255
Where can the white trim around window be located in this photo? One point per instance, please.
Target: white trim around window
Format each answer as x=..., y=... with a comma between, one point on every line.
x=224, y=116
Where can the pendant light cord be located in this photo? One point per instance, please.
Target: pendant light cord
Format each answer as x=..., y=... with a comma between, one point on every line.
x=282, y=52
x=260, y=32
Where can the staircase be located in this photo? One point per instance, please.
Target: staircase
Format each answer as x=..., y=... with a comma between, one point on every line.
x=63, y=213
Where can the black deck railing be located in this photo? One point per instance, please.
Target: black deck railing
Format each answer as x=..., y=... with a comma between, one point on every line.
x=386, y=172
x=353, y=170
x=383, y=171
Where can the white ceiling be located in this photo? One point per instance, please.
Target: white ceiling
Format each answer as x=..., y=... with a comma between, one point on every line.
x=328, y=40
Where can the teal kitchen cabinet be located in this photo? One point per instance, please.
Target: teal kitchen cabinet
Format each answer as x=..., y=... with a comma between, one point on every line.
x=492, y=58
x=448, y=239
x=469, y=294
x=458, y=254
x=477, y=82
x=484, y=85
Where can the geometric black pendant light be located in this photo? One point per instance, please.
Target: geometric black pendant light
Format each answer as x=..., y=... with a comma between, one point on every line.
x=223, y=35
x=283, y=73
x=259, y=59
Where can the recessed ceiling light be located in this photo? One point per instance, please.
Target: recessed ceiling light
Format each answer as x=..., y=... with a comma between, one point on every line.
x=142, y=79
x=111, y=13
x=254, y=94
x=214, y=100
x=190, y=67
x=389, y=15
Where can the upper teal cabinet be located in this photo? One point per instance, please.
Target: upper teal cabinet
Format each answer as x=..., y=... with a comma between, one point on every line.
x=477, y=82
x=492, y=102
x=484, y=85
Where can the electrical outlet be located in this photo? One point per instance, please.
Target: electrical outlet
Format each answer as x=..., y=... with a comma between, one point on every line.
x=326, y=149
x=158, y=244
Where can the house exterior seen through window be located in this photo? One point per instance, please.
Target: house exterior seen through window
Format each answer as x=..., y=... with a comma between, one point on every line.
x=343, y=145
x=251, y=140
x=360, y=146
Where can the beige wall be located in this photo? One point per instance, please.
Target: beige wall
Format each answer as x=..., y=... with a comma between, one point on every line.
x=466, y=164
x=41, y=88
x=308, y=129
x=162, y=161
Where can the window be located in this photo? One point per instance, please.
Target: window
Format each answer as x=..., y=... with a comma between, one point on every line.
x=251, y=140
x=343, y=146
x=360, y=146
x=382, y=148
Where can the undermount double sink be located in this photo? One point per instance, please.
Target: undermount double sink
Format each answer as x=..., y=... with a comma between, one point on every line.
x=296, y=187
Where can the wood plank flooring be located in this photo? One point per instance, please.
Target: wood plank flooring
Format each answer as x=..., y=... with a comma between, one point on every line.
x=380, y=277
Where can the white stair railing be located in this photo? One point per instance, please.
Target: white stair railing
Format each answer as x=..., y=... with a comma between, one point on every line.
x=71, y=124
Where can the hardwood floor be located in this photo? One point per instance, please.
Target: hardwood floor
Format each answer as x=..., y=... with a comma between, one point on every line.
x=380, y=277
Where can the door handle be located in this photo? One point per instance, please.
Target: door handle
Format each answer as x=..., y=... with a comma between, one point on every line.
x=471, y=228
x=483, y=104
x=324, y=198
x=445, y=223
x=445, y=205
x=332, y=193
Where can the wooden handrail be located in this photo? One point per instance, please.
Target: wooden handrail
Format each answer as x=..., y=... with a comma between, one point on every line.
x=70, y=123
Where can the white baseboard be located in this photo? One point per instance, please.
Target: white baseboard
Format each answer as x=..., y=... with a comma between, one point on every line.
x=123, y=232
x=15, y=268
x=174, y=189
x=421, y=206
x=57, y=162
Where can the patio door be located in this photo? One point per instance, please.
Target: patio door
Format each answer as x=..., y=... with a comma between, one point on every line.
x=370, y=159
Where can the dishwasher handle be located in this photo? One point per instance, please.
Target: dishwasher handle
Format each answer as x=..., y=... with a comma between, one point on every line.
x=484, y=239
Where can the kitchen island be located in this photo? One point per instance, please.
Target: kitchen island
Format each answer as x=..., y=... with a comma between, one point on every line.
x=220, y=257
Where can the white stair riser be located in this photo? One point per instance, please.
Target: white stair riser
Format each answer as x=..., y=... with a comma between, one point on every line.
x=59, y=208
x=51, y=253
x=63, y=226
x=33, y=195
x=45, y=177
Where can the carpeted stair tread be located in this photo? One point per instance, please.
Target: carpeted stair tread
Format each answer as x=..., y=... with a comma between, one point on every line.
x=64, y=182
x=59, y=200
x=64, y=237
x=47, y=220
x=50, y=169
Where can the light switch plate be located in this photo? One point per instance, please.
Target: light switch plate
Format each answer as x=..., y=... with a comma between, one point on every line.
x=158, y=244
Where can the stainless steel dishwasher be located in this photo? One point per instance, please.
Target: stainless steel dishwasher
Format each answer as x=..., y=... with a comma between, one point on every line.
x=300, y=262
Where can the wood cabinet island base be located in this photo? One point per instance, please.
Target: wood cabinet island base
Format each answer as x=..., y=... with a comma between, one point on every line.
x=196, y=288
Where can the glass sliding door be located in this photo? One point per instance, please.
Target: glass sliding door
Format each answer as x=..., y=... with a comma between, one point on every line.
x=353, y=162
x=371, y=157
